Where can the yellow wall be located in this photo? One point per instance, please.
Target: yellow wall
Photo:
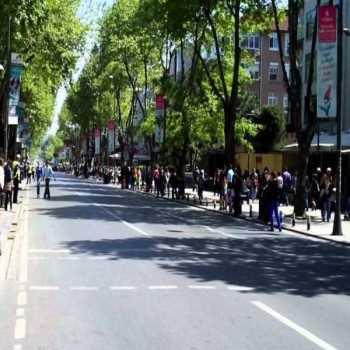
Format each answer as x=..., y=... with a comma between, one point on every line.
x=248, y=161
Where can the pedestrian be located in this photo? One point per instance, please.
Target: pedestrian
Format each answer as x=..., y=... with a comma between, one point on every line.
x=173, y=184
x=47, y=175
x=8, y=185
x=326, y=188
x=200, y=185
x=2, y=182
x=238, y=187
x=16, y=177
x=314, y=192
x=273, y=199
x=38, y=175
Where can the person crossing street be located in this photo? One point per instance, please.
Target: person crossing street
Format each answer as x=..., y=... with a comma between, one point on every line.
x=47, y=174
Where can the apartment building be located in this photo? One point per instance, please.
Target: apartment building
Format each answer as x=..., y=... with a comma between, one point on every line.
x=268, y=84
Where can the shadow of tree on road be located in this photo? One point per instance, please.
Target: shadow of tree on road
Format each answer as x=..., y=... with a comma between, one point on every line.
x=267, y=264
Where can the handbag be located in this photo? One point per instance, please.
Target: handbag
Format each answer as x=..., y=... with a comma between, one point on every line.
x=8, y=186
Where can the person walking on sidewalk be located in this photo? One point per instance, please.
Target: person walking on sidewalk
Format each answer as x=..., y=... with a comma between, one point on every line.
x=326, y=187
x=273, y=197
x=2, y=182
x=16, y=179
x=47, y=175
x=8, y=185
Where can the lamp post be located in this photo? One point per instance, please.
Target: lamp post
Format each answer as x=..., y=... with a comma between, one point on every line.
x=337, y=225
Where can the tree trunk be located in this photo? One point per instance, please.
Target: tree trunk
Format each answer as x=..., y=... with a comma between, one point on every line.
x=302, y=165
x=230, y=145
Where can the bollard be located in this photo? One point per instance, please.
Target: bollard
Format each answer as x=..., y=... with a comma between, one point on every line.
x=293, y=220
x=250, y=210
x=281, y=217
x=214, y=204
x=187, y=197
x=206, y=202
x=308, y=222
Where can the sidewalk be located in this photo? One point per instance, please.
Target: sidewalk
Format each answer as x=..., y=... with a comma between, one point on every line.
x=317, y=229
x=7, y=219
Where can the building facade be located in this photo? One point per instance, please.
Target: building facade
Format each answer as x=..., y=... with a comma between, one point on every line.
x=268, y=83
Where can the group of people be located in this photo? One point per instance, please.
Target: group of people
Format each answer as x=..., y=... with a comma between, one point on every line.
x=10, y=179
x=232, y=185
x=14, y=173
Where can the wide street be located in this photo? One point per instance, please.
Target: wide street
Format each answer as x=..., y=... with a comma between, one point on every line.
x=104, y=269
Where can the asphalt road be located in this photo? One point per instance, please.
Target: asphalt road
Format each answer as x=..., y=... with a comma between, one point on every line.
x=106, y=269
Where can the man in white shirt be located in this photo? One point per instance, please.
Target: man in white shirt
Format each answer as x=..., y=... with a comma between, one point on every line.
x=47, y=175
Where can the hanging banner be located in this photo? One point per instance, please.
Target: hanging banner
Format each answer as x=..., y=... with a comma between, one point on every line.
x=97, y=141
x=327, y=62
x=14, y=92
x=160, y=113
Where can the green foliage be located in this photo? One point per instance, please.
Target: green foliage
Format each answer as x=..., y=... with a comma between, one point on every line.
x=49, y=37
x=272, y=121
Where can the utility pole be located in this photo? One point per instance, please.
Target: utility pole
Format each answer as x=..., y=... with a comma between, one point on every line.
x=337, y=225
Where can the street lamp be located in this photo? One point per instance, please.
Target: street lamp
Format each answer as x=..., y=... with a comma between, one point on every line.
x=337, y=225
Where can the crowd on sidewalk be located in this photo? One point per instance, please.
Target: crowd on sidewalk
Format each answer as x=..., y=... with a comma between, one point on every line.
x=231, y=185
x=13, y=173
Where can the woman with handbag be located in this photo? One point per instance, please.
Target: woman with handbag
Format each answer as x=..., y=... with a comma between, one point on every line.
x=8, y=185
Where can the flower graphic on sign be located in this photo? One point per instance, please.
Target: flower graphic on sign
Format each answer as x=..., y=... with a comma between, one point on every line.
x=327, y=101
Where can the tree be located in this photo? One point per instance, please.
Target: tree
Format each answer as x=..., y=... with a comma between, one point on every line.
x=305, y=129
x=49, y=37
x=272, y=122
x=226, y=21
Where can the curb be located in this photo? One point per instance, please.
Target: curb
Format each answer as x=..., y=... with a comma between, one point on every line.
x=327, y=239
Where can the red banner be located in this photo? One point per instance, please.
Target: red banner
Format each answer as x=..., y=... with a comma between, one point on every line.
x=327, y=24
x=160, y=102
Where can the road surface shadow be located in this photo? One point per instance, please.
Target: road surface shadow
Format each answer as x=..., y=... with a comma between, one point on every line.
x=268, y=264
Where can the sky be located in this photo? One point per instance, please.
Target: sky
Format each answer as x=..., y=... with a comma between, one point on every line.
x=90, y=12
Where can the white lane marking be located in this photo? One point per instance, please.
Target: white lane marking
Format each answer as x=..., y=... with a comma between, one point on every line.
x=49, y=251
x=219, y=232
x=122, y=288
x=20, y=329
x=44, y=288
x=37, y=258
x=133, y=227
x=302, y=331
x=99, y=257
x=22, y=298
x=201, y=287
x=162, y=287
x=23, y=275
x=17, y=347
x=20, y=312
x=68, y=258
x=240, y=288
x=84, y=288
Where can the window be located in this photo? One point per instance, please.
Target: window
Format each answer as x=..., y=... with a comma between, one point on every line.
x=273, y=71
x=286, y=44
x=273, y=41
x=252, y=41
x=272, y=99
x=254, y=71
x=285, y=103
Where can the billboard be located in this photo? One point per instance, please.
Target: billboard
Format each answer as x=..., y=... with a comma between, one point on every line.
x=327, y=62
